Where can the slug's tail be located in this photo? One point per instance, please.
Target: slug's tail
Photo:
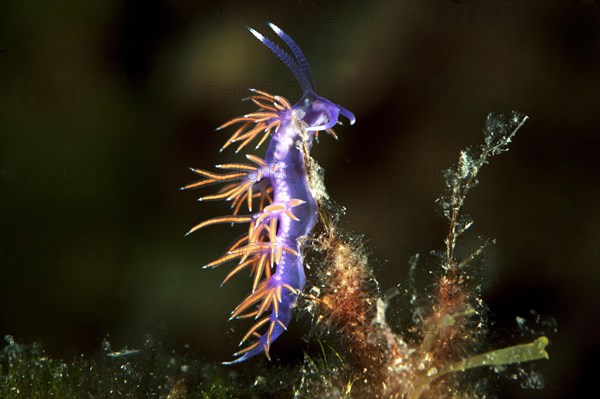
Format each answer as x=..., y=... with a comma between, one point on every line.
x=260, y=250
x=279, y=298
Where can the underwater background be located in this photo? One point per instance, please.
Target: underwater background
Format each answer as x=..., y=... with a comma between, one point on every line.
x=104, y=105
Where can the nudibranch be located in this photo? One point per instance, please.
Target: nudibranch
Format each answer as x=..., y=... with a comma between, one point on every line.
x=279, y=185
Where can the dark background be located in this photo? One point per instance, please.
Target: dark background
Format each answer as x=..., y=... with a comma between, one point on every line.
x=103, y=106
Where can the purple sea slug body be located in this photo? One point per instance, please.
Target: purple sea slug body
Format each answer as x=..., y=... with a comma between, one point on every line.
x=287, y=208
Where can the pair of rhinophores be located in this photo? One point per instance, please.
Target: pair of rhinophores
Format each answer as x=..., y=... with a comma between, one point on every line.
x=278, y=184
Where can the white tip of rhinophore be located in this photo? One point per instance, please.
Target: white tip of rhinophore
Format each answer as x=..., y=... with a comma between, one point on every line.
x=274, y=27
x=256, y=34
